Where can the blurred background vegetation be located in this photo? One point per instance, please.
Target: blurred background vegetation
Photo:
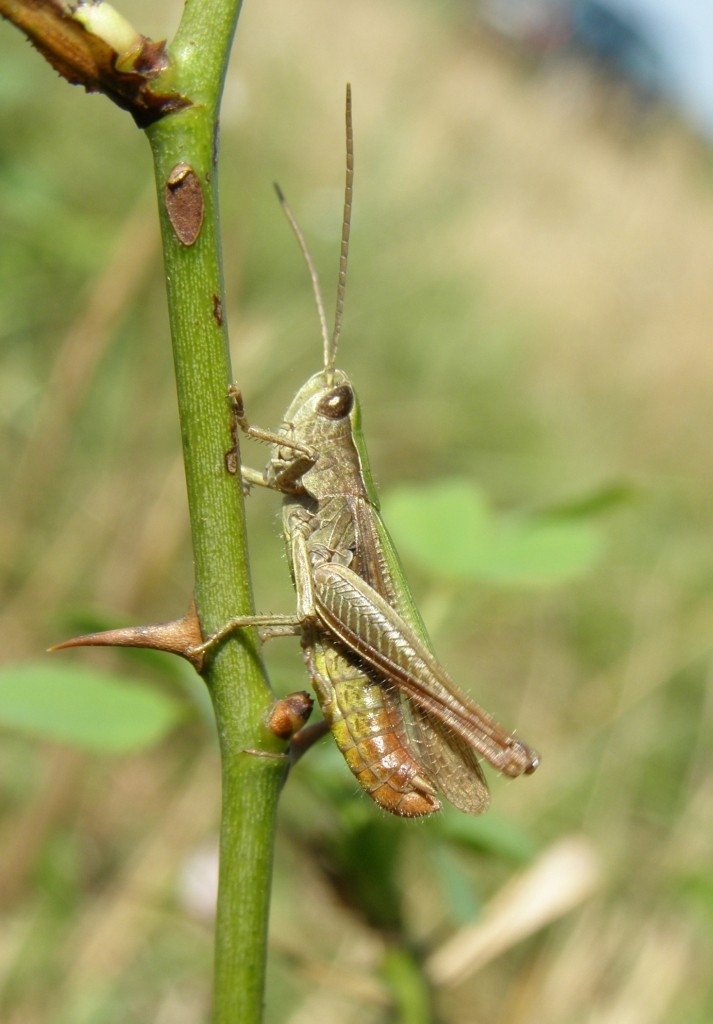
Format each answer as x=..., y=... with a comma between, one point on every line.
x=528, y=308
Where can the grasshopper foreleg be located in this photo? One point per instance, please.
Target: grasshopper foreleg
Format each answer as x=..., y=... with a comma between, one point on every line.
x=285, y=472
x=235, y=397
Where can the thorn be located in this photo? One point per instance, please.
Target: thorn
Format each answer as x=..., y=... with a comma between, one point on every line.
x=288, y=715
x=181, y=636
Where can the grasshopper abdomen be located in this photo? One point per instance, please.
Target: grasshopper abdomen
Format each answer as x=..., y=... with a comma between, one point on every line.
x=366, y=722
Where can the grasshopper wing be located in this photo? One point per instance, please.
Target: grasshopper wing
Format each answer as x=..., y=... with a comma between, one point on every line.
x=356, y=614
x=450, y=762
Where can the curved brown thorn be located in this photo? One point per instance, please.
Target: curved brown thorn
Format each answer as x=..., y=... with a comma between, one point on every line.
x=181, y=636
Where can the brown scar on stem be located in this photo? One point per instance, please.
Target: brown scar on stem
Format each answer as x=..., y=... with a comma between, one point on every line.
x=184, y=202
x=217, y=310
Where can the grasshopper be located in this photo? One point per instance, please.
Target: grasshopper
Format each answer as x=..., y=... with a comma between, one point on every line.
x=405, y=730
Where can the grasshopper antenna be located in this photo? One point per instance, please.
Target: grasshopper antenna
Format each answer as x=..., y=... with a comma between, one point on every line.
x=330, y=356
x=329, y=344
x=312, y=273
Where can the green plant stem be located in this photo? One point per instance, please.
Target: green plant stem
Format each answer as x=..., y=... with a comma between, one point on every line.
x=184, y=94
x=235, y=676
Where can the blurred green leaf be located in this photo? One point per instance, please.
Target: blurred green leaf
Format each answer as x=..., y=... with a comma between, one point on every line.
x=696, y=888
x=539, y=552
x=92, y=710
x=450, y=530
x=461, y=899
x=363, y=863
x=597, y=502
x=442, y=525
x=487, y=834
x=407, y=984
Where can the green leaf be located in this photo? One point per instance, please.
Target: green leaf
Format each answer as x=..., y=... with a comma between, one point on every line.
x=441, y=527
x=487, y=834
x=450, y=530
x=92, y=710
x=602, y=500
x=407, y=985
x=539, y=552
x=460, y=899
x=696, y=889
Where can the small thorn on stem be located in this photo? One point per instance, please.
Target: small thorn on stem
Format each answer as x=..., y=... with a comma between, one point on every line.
x=289, y=714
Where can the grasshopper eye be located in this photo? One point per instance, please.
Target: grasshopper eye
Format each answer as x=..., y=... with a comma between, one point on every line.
x=337, y=404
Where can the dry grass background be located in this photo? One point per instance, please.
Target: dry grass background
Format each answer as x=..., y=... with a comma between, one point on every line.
x=529, y=305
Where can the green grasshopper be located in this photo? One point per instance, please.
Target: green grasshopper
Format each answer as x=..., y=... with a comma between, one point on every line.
x=405, y=730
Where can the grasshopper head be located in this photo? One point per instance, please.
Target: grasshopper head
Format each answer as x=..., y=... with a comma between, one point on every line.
x=323, y=413
x=325, y=417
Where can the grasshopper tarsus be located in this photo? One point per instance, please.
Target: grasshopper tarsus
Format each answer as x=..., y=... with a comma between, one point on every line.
x=235, y=397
